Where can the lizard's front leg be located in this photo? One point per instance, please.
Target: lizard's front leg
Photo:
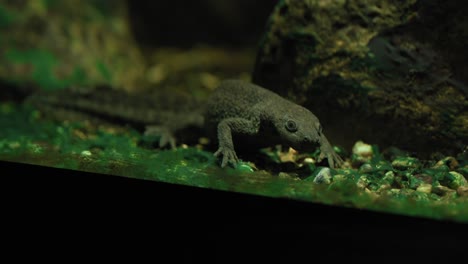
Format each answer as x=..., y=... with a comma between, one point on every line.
x=176, y=122
x=225, y=129
x=326, y=151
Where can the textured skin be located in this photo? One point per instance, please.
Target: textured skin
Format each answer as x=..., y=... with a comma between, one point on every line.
x=238, y=107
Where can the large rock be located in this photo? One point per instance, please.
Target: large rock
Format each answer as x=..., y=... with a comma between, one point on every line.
x=387, y=72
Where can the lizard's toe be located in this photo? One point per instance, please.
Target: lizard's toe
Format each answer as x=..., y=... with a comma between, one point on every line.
x=334, y=160
x=167, y=139
x=229, y=156
x=166, y=136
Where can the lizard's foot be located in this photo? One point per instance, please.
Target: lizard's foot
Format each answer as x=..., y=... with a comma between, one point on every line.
x=166, y=136
x=334, y=160
x=229, y=156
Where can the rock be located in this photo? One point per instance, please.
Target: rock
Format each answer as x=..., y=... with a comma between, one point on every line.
x=450, y=162
x=420, y=196
x=404, y=163
x=463, y=191
x=393, y=192
x=383, y=188
x=424, y=188
x=287, y=176
x=350, y=63
x=339, y=177
x=362, y=152
x=363, y=182
x=389, y=177
x=442, y=190
x=424, y=178
x=371, y=194
x=406, y=192
x=366, y=168
x=244, y=167
x=399, y=193
x=86, y=153
x=323, y=176
x=457, y=180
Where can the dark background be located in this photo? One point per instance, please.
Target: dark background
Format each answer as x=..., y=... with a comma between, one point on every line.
x=181, y=23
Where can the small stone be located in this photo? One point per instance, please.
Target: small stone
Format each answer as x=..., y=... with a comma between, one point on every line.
x=323, y=176
x=442, y=190
x=339, y=177
x=289, y=156
x=414, y=182
x=366, y=168
x=404, y=163
x=309, y=160
x=389, y=177
x=371, y=194
x=393, y=192
x=457, y=181
x=424, y=188
x=424, y=178
x=383, y=188
x=362, y=151
x=363, y=182
x=287, y=176
x=463, y=191
x=244, y=167
x=14, y=145
x=86, y=153
x=419, y=196
x=449, y=161
x=406, y=192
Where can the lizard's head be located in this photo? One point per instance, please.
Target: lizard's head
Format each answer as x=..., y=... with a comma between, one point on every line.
x=299, y=128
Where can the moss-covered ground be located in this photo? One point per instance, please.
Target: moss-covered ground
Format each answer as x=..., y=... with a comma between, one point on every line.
x=378, y=184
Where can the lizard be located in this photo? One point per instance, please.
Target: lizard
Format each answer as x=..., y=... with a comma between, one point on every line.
x=236, y=112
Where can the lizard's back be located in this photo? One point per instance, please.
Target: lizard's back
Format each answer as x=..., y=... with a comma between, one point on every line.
x=237, y=99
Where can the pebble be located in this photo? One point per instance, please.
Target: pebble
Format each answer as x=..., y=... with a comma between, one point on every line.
x=86, y=153
x=463, y=191
x=244, y=167
x=403, y=163
x=458, y=180
x=363, y=182
x=424, y=178
x=323, y=176
x=449, y=161
x=424, y=188
x=362, y=151
x=339, y=177
x=366, y=168
x=383, y=188
x=442, y=190
x=389, y=177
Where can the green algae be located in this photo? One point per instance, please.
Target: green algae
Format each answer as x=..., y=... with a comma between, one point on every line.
x=26, y=137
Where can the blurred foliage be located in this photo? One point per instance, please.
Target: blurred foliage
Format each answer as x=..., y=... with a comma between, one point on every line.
x=55, y=44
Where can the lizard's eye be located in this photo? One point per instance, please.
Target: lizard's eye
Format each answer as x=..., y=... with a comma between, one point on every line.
x=291, y=126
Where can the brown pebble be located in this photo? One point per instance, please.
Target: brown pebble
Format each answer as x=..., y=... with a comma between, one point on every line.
x=463, y=191
x=424, y=177
x=442, y=190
